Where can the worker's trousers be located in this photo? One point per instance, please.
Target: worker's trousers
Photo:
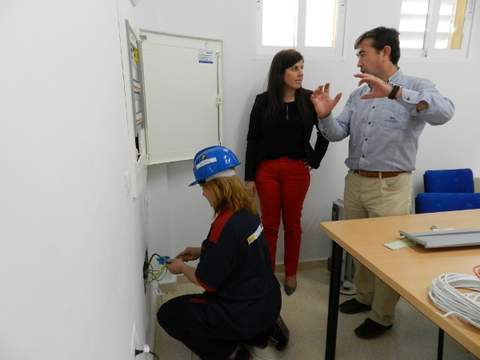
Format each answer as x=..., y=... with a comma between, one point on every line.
x=366, y=197
x=186, y=319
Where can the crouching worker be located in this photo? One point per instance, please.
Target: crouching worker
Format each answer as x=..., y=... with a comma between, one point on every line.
x=241, y=302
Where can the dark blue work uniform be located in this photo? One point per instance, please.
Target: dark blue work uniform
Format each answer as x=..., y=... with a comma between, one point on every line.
x=242, y=297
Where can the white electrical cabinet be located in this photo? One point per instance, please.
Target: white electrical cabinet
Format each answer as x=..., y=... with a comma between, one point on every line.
x=182, y=79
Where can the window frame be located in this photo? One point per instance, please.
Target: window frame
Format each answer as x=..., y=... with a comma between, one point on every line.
x=428, y=51
x=299, y=36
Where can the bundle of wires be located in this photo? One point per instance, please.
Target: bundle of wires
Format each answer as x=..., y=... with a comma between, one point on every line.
x=156, y=273
x=465, y=305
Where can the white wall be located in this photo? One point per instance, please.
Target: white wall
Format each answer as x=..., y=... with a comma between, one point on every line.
x=178, y=216
x=72, y=237
x=72, y=240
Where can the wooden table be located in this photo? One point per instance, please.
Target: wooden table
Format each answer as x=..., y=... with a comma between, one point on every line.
x=409, y=271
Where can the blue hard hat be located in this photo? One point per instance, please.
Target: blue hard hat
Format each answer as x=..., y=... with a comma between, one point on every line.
x=212, y=161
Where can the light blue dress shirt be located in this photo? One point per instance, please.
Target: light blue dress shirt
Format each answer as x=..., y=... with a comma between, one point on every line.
x=384, y=133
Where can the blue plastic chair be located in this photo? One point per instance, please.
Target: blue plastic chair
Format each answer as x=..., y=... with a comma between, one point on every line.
x=448, y=181
x=436, y=202
x=447, y=190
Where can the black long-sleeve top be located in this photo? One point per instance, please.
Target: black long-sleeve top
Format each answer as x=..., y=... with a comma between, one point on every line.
x=271, y=137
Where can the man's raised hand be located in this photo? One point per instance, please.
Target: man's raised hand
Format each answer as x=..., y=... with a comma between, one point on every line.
x=378, y=87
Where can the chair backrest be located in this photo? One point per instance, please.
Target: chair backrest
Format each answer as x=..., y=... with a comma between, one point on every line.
x=450, y=181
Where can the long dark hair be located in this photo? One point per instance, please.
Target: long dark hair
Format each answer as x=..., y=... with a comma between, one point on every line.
x=275, y=88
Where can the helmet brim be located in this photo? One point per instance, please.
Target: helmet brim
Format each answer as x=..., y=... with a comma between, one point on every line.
x=194, y=183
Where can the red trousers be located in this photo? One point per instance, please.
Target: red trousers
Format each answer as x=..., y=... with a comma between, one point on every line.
x=282, y=185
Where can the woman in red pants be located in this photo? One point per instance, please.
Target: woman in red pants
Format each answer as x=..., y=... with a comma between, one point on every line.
x=279, y=156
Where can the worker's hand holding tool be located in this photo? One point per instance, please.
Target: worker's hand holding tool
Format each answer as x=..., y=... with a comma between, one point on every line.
x=190, y=253
x=175, y=266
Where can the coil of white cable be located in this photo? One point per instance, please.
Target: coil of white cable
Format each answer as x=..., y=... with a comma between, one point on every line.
x=445, y=295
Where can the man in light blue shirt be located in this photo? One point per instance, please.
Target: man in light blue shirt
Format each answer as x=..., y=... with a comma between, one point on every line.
x=383, y=118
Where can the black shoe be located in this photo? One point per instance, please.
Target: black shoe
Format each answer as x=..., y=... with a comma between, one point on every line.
x=280, y=335
x=353, y=306
x=242, y=354
x=370, y=329
x=261, y=340
x=289, y=290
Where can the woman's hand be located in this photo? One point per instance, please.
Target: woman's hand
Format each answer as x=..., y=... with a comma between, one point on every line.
x=251, y=188
x=175, y=266
x=189, y=254
x=322, y=102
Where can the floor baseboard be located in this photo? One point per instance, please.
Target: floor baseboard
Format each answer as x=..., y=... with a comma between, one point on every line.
x=304, y=265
